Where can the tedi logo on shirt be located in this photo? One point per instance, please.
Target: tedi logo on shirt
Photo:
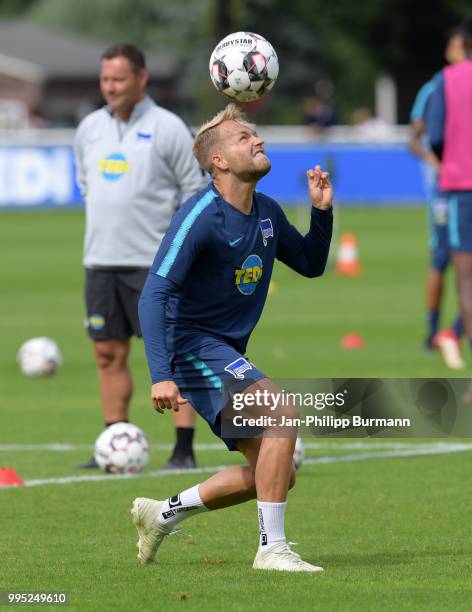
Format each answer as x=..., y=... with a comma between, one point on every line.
x=247, y=277
x=113, y=167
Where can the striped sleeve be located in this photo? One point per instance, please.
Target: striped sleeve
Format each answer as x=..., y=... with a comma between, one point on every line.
x=419, y=106
x=183, y=240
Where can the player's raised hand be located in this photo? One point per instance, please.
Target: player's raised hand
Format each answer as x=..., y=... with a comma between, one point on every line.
x=320, y=188
x=166, y=396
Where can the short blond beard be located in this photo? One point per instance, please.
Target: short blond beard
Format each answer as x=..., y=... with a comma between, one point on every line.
x=208, y=135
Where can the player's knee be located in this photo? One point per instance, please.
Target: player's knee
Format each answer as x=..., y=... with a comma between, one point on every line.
x=249, y=475
x=110, y=355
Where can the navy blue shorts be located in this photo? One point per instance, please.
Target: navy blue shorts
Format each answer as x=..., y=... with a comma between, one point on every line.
x=438, y=207
x=460, y=221
x=111, y=299
x=207, y=374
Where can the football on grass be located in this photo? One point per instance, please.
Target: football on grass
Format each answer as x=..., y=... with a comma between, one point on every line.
x=122, y=449
x=39, y=357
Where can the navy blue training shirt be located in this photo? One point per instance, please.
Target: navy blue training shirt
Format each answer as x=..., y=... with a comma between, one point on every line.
x=211, y=274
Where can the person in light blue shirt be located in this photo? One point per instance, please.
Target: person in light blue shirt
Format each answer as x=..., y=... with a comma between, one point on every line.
x=447, y=340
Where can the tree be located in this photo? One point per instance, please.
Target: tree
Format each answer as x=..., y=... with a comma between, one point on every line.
x=347, y=43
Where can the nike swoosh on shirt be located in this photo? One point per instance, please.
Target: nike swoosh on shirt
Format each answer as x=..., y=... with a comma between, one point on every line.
x=235, y=242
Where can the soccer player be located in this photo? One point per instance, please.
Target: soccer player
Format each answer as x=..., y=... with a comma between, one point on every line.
x=202, y=299
x=450, y=134
x=446, y=340
x=134, y=168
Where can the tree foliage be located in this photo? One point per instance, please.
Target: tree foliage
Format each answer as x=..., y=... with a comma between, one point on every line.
x=347, y=43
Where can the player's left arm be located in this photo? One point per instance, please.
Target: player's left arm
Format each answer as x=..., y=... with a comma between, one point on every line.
x=320, y=188
x=308, y=254
x=80, y=175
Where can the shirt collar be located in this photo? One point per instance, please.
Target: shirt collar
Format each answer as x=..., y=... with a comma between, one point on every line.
x=138, y=110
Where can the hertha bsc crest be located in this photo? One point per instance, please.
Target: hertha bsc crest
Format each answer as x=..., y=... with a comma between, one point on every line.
x=266, y=229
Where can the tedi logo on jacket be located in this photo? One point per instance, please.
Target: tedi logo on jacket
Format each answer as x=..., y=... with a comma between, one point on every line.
x=113, y=167
x=247, y=277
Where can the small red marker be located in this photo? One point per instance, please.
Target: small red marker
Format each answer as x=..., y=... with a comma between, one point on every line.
x=9, y=478
x=352, y=341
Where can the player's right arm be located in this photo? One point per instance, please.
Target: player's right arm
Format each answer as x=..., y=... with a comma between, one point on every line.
x=417, y=131
x=437, y=116
x=166, y=395
x=418, y=126
x=152, y=316
x=180, y=246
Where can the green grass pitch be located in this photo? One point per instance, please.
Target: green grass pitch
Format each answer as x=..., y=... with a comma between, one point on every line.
x=392, y=532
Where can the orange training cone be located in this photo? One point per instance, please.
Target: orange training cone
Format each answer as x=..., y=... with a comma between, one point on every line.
x=9, y=478
x=352, y=341
x=348, y=262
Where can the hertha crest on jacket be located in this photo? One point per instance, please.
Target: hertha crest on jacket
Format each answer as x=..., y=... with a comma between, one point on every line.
x=266, y=229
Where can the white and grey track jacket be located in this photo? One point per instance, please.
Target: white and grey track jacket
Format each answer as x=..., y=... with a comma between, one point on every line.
x=133, y=176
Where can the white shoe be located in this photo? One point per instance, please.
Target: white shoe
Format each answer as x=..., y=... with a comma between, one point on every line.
x=145, y=512
x=280, y=557
x=449, y=345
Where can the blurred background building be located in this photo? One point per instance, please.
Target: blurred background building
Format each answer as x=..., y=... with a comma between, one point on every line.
x=49, y=77
x=349, y=56
x=348, y=77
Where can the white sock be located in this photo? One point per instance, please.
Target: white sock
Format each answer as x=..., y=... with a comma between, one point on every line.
x=271, y=523
x=181, y=506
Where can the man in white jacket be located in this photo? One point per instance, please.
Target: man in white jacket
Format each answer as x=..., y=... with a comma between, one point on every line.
x=134, y=167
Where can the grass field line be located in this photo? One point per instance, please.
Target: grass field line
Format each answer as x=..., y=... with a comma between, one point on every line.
x=424, y=449
x=338, y=443
x=421, y=450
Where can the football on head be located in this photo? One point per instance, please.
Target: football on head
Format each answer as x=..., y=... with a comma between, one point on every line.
x=244, y=66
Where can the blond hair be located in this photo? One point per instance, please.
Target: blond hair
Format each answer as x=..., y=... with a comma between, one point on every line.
x=208, y=135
